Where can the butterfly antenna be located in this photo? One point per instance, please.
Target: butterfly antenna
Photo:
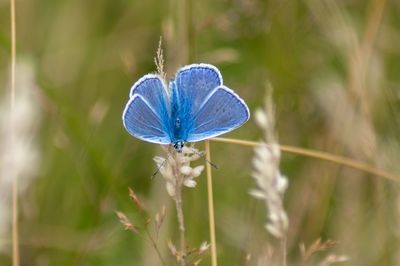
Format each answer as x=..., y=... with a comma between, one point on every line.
x=161, y=166
x=201, y=155
x=158, y=169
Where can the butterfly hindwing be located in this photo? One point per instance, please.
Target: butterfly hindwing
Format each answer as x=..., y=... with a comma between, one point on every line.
x=221, y=112
x=146, y=113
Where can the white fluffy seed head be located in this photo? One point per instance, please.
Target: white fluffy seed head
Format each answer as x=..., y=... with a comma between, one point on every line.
x=271, y=184
x=261, y=118
x=197, y=170
x=189, y=183
x=186, y=170
x=176, y=169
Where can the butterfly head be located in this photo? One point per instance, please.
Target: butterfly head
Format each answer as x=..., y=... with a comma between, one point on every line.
x=178, y=145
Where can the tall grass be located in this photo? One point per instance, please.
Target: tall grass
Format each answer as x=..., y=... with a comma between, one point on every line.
x=334, y=66
x=15, y=238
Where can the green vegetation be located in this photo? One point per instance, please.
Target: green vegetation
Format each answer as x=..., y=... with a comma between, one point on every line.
x=334, y=66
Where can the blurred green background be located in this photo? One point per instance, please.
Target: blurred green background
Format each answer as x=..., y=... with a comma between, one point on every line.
x=334, y=66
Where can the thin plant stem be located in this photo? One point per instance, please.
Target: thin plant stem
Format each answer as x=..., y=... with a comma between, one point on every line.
x=154, y=244
x=179, y=210
x=181, y=221
x=211, y=206
x=15, y=244
x=149, y=236
x=320, y=155
x=376, y=9
x=284, y=250
x=360, y=58
x=13, y=52
x=189, y=31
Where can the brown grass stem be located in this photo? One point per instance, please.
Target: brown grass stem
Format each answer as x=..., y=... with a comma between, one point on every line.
x=181, y=221
x=320, y=155
x=15, y=244
x=211, y=218
x=13, y=52
x=155, y=246
x=179, y=210
x=189, y=31
x=284, y=250
x=15, y=238
x=376, y=9
x=360, y=58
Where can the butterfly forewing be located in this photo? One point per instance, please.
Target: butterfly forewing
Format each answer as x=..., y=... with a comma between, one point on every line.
x=193, y=84
x=220, y=113
x=146, y=114
x=151, y=87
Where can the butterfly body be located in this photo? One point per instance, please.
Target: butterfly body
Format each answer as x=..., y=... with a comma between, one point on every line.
x=195, y=106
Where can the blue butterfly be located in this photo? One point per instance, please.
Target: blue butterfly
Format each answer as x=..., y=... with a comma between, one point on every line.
x=197, y=106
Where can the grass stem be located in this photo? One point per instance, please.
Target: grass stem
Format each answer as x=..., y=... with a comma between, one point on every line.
x=155, y=246
x=320, y=155
x=181, y=221
x=284, y=250
x=15, y=244
x=179, y=179
x=211, y=206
